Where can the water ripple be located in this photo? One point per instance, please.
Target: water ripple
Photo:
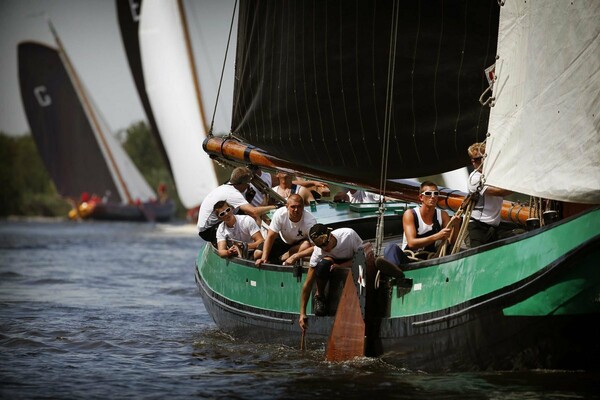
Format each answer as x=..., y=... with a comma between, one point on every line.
x=123, y=319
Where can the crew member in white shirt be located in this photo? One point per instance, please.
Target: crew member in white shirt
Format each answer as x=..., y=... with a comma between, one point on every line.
x=287, y=236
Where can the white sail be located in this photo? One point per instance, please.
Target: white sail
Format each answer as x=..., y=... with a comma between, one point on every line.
x=172, y=93
x=133, y=179
x=456, y=179
x=545, y=126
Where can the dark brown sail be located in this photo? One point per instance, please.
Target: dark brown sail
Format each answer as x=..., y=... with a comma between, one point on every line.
x=320, y=83
x=59, y=125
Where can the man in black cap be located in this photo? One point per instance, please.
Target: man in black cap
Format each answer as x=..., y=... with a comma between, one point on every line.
x=333, y=249
x=231, y=192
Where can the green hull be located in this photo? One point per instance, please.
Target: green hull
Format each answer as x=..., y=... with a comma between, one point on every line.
x=490, y=307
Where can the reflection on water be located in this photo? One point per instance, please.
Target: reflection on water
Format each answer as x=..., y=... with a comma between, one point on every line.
x=110, y=310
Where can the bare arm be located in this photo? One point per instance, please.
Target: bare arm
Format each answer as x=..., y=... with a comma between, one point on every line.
x=224, y=251
x=308, y=184
x=271, y=236
x=305, y=250
x=258, y=239
x=304, y=296
x=306, y=195
x=256, y=212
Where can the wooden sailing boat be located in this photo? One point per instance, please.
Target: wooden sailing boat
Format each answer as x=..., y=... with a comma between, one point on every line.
x=367, y=93
x=80, y=154
x=172, y=86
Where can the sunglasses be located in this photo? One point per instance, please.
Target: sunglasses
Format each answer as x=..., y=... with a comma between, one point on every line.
x=476, y=158
x=224, y=212
x=430, y=193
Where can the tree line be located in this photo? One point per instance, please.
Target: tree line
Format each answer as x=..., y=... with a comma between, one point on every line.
x=28, y=190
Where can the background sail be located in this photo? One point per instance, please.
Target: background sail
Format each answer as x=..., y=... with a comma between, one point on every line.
x=73, y=153
x=171, y=88
x=545, y=126
x=62, y=133
x=133, y=179
x=128, y=13
x=312, y=83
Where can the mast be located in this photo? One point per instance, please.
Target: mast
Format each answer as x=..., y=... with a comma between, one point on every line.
x=89, y=110
x=188, y=45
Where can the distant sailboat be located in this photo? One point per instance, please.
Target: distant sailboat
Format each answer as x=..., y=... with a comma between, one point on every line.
x=80, y=154
x=128, y=13
x=172, y=86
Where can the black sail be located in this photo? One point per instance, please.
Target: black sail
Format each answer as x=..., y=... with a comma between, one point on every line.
x=128, y=14
x=319, y=82
x=61, y=130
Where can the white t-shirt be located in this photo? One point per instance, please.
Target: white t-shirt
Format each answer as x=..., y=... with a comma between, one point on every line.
x=488, y=207
x=348, y=242
x=361, y=196
x=206, y=215
x=245, y=226
x=259, y=196
x=291, y=232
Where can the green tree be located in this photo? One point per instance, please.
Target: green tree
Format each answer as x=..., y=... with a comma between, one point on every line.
x=26, y=186
x=140, y=145
x=28, y=190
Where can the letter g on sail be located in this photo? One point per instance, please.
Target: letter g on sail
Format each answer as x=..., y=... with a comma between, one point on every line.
x=42, y=97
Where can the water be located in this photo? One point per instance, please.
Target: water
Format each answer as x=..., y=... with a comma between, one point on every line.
x=111, y=310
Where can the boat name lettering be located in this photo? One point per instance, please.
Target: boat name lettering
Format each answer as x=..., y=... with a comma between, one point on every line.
x=42, y=97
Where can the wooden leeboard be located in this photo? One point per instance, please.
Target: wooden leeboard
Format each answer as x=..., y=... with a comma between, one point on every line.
x=347, y=338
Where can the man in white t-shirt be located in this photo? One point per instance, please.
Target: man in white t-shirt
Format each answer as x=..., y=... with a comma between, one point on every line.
x=231, y=192
x=333, y=249
x=240, y=228
x=484, y=225
x=287, y=236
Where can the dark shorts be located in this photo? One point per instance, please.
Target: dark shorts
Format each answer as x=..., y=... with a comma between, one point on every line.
x=323, y=267
x=279, y=248
x=210, y=235
x=481, y=233
x=394, y=254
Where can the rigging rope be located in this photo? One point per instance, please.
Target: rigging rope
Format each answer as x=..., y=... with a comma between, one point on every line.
x=464, y=212
x=387, y=127
x=212, y=121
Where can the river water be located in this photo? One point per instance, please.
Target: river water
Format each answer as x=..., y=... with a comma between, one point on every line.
x=111, y=310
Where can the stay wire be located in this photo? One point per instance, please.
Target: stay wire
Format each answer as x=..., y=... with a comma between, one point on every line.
x=387, y=127
x=212, y=121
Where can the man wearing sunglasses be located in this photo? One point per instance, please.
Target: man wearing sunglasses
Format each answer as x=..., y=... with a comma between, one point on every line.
x=484, y=225
x=241, y=228
x=333, y=249
x=426, y=225
x=287, y=236
x=425, y=228
x=231, y=192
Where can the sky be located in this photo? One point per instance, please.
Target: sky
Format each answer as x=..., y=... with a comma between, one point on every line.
x=90, y=34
